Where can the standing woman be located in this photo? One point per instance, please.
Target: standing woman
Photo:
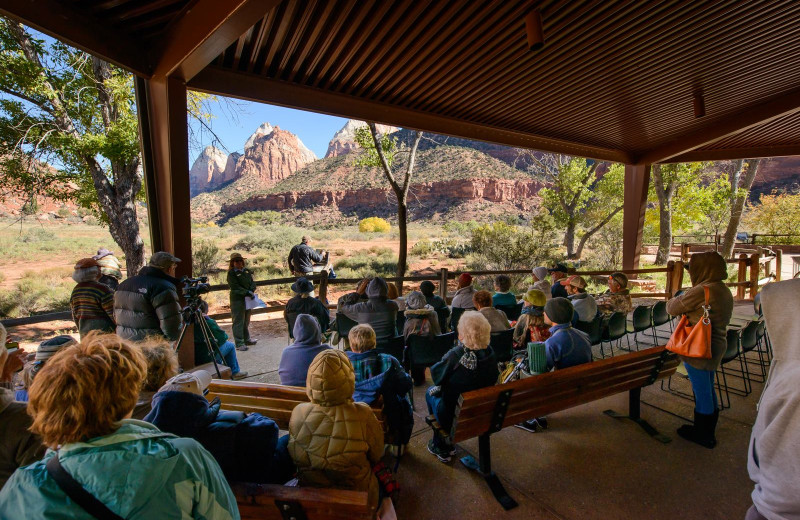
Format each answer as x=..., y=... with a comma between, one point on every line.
x=240, y=280
x=709, y=270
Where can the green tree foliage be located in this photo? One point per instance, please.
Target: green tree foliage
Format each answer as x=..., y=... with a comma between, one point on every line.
x=503, y=246
x=778, y=214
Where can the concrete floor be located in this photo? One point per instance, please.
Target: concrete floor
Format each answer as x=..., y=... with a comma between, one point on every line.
x=586, y=465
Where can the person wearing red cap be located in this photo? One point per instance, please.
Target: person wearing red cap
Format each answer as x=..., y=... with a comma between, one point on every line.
x=463, y=297
x=91, y=302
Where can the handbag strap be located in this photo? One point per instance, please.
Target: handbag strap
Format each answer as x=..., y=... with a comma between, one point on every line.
x=706, y=307
x=77, y=493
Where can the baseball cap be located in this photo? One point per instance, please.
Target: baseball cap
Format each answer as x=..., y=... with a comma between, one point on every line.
x=621, y=279
x=575, y=281
x=163, y=260
x=558, y=268
x=192, y=382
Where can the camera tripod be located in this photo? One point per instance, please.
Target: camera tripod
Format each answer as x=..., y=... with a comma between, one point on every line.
x=192, y=315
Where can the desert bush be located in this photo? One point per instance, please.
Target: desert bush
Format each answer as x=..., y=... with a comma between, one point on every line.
x=36, y=292
x=276, y=238
x=37, y=236
x=63, y=212
x=421, y=249
x=205, y=256
x=373, y=225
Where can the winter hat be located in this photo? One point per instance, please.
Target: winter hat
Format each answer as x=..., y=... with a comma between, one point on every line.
x=465, y=280
x=302, y=285
x=191, y=382
x=50, y=347
x=86, y=270
x=575, y=281
x=427, y=288
x=540, y=272
x=559, y=310
x=535, y=297
x=621, y=279
x=416, y=300
x=86, y=263
x=163, y=260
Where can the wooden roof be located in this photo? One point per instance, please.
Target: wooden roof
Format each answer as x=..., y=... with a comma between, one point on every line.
x=615, y=80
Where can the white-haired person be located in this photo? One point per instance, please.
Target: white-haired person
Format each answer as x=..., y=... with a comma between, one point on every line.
x=91, y=302
x=468, y=366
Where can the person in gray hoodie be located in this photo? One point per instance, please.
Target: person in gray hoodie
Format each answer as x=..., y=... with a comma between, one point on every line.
x=297, y=357
x=378, y=311
x=775, y=440
x=421, y=319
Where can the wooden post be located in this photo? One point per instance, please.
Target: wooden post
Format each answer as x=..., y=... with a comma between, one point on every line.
x=677, y=278
x=637, y=180
x=778, y=264
x=443, y=284
x=323, y=286
x=668, y=290
x=684, y=252
x=742, y=276
x=755, y=270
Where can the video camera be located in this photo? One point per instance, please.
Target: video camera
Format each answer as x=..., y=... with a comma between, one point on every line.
x=194, y=287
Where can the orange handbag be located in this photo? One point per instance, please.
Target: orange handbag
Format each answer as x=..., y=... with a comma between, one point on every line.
x=693, y=341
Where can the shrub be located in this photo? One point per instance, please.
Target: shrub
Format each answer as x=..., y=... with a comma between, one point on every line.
x=276, y=238
x=374, y=225
x=422, y=248
x=205, y=257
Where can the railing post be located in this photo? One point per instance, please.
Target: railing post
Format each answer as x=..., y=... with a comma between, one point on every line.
x=668, y=290
x=684, y=252
x=778, y=264
x=323, y=286
x=443, y=283
x=755, y=270
x=742, y=276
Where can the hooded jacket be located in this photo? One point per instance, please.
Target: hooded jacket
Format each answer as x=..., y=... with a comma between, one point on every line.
x=463, y=297
x=416, y=323
x=242, y=444
x=707, y=270
x=138, y=472
x=147, y=304
x=296, y=358
x=333, y=441
x=20, y=447
x=775, y=440
x=377, y=311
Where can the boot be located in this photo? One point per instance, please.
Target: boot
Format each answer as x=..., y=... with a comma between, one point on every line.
x=702, y=431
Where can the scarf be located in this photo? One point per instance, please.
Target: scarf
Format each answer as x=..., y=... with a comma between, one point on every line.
x=468, y=360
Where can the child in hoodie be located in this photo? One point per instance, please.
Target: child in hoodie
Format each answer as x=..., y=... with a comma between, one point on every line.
x=296, y=358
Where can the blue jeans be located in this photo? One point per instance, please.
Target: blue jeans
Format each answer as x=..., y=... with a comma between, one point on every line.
x=705, y=397
x=228, y=351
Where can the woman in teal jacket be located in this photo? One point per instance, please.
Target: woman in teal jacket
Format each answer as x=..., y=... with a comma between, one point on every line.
x=240, y=280
x=80, y=403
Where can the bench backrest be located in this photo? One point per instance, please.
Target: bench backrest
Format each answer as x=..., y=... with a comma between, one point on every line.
x=273, y=401
x=270, y=502
x=555, y=391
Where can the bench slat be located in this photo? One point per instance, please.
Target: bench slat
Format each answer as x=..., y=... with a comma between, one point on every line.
x=258, y=502
x=293, y=393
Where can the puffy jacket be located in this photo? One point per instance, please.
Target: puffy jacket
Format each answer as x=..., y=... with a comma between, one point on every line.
x=377, y=311
x=242, y=444
x=302, y=257
x=20, y=447
x=335, y=442
x=148, y=304
x=138, y=472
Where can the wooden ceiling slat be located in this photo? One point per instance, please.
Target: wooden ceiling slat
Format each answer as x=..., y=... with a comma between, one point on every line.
x=335, y=28
x=133, y=11
x=293, y=14
x=309, y=17
x=272, y=19
x=311, y=41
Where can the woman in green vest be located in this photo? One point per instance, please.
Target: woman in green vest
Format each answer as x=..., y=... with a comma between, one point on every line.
x=240, y=280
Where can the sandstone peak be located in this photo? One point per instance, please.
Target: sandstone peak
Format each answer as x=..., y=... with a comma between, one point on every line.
x=273, y=157
x=343, y=141
x=264, y=129
x=209, y=164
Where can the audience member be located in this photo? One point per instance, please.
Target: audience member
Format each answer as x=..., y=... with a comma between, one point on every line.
x=462, y=299
x=147, y=304
x=44, y=352
x=583, y=302
x=304, y=302
x=240, y=280
x=334, y=441
x=377, y=311
x=558, y=272
x=91, y=302
x=617, y=298
x=394, y=296
x=227, y=348
x=110, y=268
x=775, y=439
x=381, y=375
x=297, y=357
x=468, y=366
x=162, y=365
x=496, y=318
x=20, y=447
x=566, y=346
x=530, y=325
x=246, y=446
x=539, y=275
x=428, y=289
x=80, y=404
x=421, y=319
x=502, y=292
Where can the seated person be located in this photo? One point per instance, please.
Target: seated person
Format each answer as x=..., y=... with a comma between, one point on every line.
x=91, y=302
x=20, y=447
x=462, y=299
x=381, y=375
x=44, y=352
x=304, y=302
x=296, y=358
x=226, y=347
x=421, y=319
x=497, y=318
x=617, y=298
x=468, y=366
x=428, y=289
x=502, y=295
x=566, y=347
x=394, y=296
x=557, y=273
x=162, y=365
x=80, y=402
x=245, y=445
x=378, y=311
x=530, y=325
x=583, y=302
x=346, y=460
x=539, y=275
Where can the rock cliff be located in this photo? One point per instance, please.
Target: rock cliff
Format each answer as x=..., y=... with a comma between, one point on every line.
x=343, y=141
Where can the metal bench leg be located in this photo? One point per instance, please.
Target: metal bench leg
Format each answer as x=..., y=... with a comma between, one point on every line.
x=484, y=467
x=634, y=414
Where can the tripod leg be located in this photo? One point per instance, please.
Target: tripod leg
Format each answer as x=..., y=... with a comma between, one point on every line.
x=211, y=343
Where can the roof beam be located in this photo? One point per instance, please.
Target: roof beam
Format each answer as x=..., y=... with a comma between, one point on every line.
x=724, y=154
x=71, y=26
x=740, y=121
x=216, y=80
x=203, y=33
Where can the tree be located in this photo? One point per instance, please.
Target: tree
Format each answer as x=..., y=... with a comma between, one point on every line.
x=382, y=151
x=739, y=190
x=668, y=181
x=776, y=214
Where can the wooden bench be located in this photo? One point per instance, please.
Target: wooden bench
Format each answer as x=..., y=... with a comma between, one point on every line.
x=264, y=501
x=481, y=413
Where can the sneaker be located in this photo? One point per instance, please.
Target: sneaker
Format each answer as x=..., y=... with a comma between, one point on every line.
x=242, y=348
x=542, y=422
x=442, y=455
x=240, y=375
x=530, y=425
x=251, y=342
